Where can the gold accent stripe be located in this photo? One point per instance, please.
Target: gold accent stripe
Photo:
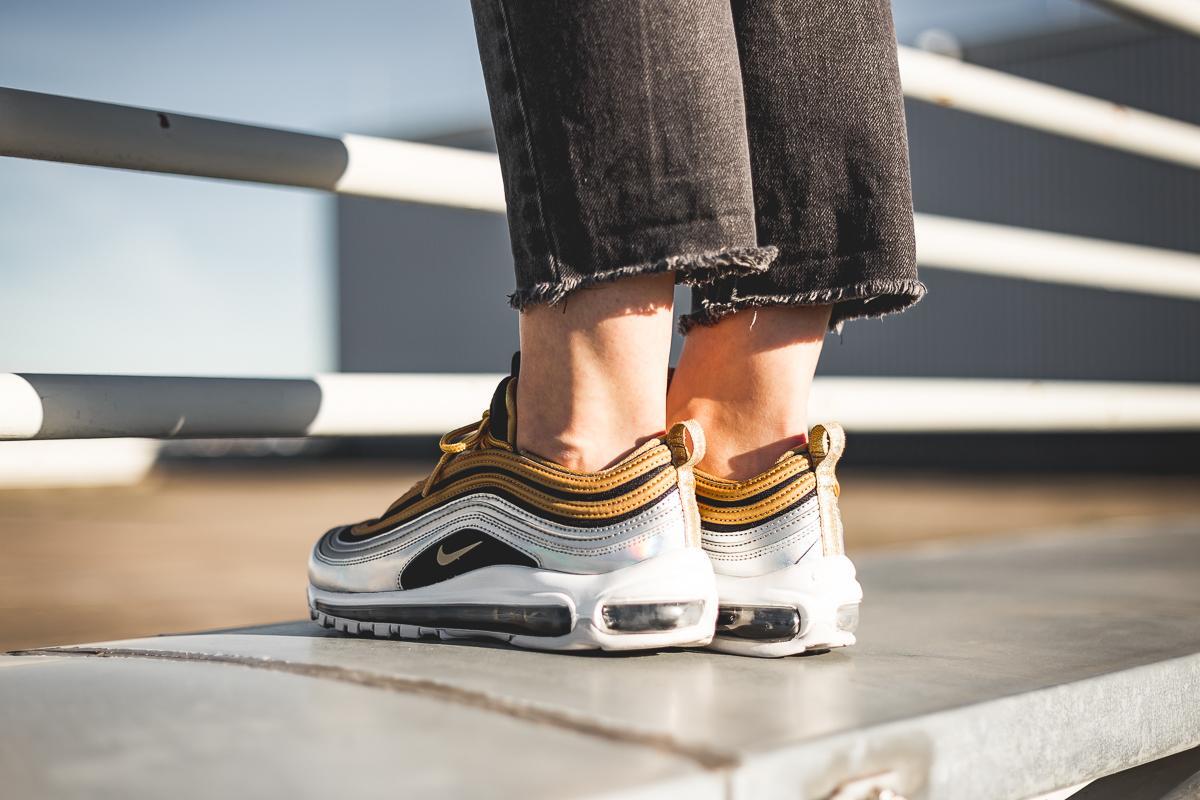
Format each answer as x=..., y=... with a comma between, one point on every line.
x=580, y=509
x=772, y=505
x=720, y=489
x=656, y=455
x=560, y=477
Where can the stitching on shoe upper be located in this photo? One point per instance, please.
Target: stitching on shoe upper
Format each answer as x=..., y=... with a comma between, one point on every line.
x=651, y=515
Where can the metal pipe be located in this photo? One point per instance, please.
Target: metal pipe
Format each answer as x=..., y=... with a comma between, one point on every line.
x=954, y=84
x=1183, y=15
x=103, y=406
x=52, y=128
x=1002, y=250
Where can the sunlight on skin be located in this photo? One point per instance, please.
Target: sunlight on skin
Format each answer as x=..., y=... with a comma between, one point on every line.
x=746, y=380
x=594, y=372
x=594, y=375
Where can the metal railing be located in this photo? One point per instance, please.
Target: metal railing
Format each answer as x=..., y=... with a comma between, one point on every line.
x=96, y=406
x=990, y=93
x=1183, y=15
x=48, y=127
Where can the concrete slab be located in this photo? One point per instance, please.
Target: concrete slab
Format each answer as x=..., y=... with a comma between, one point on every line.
x=996, y=671
x=121, y=728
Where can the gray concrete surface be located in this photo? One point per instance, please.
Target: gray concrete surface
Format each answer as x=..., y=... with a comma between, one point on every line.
x=1000, y=670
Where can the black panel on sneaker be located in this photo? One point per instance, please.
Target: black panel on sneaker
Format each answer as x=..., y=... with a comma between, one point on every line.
x=460, y=552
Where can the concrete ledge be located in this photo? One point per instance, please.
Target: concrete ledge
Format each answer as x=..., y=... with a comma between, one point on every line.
x=998, y=671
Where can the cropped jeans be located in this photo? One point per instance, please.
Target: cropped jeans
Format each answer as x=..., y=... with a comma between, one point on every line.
x=754, y=148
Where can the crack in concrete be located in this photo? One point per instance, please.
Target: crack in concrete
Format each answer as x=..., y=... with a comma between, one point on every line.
x=704, y=757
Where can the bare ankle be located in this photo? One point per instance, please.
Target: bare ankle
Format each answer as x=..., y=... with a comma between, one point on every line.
x=594, y=373
x=740, y=463
x=746, y=380
x=742, y=442
x=578, y=453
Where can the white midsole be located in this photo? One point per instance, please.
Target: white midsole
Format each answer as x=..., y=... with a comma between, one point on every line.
x=825, y=576
x=817, y=588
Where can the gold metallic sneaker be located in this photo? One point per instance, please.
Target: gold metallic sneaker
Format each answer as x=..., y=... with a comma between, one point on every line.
x=502, y=544
x=783, y=580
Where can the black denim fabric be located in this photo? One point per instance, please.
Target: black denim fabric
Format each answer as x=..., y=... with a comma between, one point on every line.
x=755, y=148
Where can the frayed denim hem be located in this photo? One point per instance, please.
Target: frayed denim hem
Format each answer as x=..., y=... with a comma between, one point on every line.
x=870, y=299
x=695, y=270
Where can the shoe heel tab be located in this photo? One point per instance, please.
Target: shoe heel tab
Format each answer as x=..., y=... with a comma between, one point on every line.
x=826, y=443
x=684, y=454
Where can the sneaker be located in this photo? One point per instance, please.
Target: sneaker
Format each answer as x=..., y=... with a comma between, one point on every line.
x=502, y=544
x=784, y=583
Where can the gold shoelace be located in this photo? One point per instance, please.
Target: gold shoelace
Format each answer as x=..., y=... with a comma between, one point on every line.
x=473, y=436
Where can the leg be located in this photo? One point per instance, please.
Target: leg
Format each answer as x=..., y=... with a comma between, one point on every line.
x=830, y=169
x=831, y=192
x=593, y=372
x=746, y=381
x=624, y=154
x=564, y=518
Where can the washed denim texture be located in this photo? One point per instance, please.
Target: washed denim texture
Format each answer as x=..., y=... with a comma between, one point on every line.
x=755, y=148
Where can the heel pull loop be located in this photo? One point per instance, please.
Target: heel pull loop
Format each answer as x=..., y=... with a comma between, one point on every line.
x=683, y=454
x=826, y=443
x=684, y=457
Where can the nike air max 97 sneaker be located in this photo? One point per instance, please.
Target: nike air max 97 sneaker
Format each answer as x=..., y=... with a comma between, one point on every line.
x=775, y=540
x=503, y=544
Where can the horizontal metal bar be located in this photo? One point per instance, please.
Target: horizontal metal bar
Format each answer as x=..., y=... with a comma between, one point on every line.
x=41, y=126
x=52, y=128
x=1011, y=252
x=965, y=87
x=99, y=406
x=954, y=404
x=1183, y=15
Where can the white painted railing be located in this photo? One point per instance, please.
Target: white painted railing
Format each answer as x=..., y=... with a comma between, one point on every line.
x=1182, y=15
x=1010, y=252
x=966, y=87
x=86, y=406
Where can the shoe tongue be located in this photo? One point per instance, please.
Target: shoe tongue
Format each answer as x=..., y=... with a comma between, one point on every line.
x=502, y=414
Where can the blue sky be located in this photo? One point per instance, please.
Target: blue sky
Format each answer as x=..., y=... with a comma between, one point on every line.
x=109, y=271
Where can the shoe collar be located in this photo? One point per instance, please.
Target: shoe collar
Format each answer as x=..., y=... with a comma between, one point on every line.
x=502, y=413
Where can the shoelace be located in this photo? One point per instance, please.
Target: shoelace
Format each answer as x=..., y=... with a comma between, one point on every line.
x=472, y=437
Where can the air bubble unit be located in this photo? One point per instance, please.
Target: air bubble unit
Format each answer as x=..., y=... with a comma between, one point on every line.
x=531, y=620
x=760, y=623
x=647, y=617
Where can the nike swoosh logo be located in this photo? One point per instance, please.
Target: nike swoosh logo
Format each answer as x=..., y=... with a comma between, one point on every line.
x=445, y=559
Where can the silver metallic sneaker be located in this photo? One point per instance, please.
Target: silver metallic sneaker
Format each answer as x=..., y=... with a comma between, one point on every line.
x=784, y=583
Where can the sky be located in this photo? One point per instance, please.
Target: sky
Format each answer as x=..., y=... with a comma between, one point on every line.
x=118, y=272
x=110, y=271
